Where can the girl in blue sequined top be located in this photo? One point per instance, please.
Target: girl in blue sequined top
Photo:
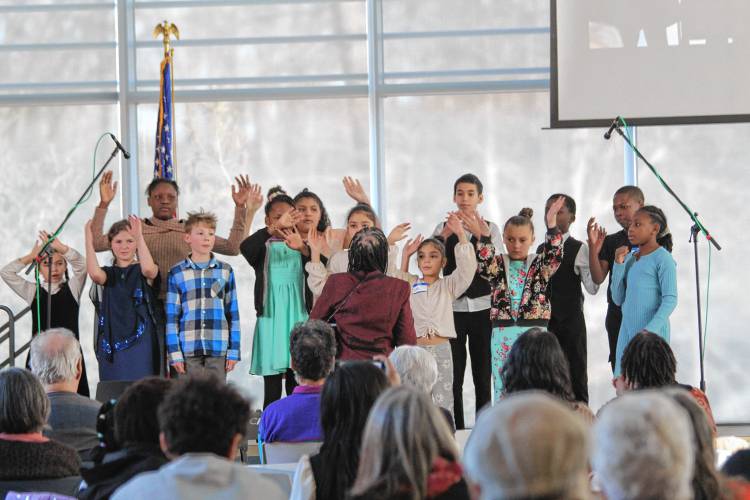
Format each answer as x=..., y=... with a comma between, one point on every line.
x=126, y=345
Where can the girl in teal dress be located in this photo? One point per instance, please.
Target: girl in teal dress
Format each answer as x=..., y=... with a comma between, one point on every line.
x=276, y=254
x=519, y=280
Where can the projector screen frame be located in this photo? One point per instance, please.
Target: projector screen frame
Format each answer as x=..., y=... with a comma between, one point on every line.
x=557, y=123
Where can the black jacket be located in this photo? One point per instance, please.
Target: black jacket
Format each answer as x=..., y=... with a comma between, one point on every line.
x=119, y=467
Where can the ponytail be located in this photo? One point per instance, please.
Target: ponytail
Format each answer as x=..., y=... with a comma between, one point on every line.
x=664, y=238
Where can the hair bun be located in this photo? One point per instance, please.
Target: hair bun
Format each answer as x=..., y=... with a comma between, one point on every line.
x=526, y=212
x=274, y=192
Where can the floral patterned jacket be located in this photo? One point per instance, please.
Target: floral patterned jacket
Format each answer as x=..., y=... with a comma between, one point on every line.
x=535, y=305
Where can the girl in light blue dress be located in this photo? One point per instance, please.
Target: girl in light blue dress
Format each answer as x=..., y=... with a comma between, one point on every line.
x=644, y=282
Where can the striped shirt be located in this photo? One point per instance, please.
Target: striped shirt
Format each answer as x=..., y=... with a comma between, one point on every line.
x=202, y=314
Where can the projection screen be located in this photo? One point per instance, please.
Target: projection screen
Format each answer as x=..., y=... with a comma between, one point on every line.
x=653, y=62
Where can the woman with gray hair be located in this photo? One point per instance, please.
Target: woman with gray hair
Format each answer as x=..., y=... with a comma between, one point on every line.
x=643, y=448
x=408, y=451
x=24, y=452
x=531, y=446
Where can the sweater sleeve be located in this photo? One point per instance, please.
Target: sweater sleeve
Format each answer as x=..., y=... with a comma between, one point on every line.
x=78, y=281
x=552, y=253
x=404, y=332
x=324, y=306
x=317, y=275
x=23, y=288
x=466, y=269
x=232, y=313
x=101, y=242
x=231, y=245
x=667, y=276
x=617, y=284
x=174, y=313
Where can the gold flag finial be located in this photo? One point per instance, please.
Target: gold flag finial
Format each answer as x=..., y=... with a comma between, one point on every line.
x=165, y=29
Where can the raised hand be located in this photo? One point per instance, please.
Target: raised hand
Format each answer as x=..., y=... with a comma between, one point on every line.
x=399, y=233
x=335, y=239
x=620, y=254
x=57, y=245
x=31, y=256
x=136, y=226
x=596, y=235
x=107, y=189
x=241, y=192
x=555, y=206
x=474, y=223
x=316, y=241
x=293, y=239
x=288, y=220
x=454, y=224
x=355, y=190
x=412, y=245
x=255, y=198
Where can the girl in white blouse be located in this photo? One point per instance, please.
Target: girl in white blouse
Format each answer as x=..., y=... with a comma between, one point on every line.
x=432, y=299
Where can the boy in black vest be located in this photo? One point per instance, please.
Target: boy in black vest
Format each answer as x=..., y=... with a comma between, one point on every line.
x=471, y=311
x=567, y=321
x=602, y=247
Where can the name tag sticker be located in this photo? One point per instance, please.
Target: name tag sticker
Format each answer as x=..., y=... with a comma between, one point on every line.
x=419, y=287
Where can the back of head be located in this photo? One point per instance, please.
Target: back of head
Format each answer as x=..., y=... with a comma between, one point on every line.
x=648, y=361
x=522, y=219
x=136, y=417
x=55, y=355
x=207, y=219
x=643, y=448
x=536, y=361
x=405, y=434
x=416, y=366
x=348, y=395
x=368, y=251
x=706, y=482
x=313, y=349
x=24, y=407
x=529, y=445
x=202, y=414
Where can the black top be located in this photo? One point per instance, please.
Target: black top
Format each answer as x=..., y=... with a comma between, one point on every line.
x=64, y=310
x=119, y=467
x=565, y=292
x=479, y=286
x=611, y=243
x=253, y=248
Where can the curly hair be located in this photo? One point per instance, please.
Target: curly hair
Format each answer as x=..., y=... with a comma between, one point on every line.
x=648, y=361
x=135, y=414
x=536, y=361
x=368, y=251
x=325, y=220
x=202, y=414
x=277, y=195
x=313, y=349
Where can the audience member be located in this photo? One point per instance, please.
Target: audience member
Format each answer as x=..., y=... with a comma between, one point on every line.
x=643, y=448
x=57, y=360
x=297, y=417
x=202, y=421
x=738, y=465
x=408, y=451
x=531, y=446
x=136, y=440
x=649, y=363
x=537, y=362
x=25, y=453
x=418, y=368
x=348, y=394
x=371, y=311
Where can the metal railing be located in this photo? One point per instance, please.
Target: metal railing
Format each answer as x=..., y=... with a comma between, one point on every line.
x=10, y=326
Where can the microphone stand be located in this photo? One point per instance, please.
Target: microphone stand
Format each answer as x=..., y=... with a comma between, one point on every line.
x=45, y=251
x=696, y=228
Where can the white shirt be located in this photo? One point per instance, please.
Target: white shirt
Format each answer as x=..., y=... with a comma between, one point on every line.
x=199, y=476
x=303, y=485
x=581, y=267
x=465, y=304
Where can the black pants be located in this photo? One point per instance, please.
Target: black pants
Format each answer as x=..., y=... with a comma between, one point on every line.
x=477, y=327
x=612, y=324
x=571, y=334
x=272, y=386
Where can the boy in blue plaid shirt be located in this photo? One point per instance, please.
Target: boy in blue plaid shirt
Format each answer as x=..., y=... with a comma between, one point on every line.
x=203, y=320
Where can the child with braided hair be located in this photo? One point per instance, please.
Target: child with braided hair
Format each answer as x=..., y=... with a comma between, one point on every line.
x=644, y=281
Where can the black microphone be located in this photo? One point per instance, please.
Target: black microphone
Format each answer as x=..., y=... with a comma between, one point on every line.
x=607, y=134
x=127, y=155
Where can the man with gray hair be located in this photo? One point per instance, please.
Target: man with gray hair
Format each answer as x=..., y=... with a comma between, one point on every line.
x=643, y=448
x=529, y=445
x=56, y=359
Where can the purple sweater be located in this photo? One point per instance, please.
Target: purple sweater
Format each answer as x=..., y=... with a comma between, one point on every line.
x=295, y=418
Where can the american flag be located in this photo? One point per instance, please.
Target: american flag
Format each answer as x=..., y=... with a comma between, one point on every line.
x=163, y=166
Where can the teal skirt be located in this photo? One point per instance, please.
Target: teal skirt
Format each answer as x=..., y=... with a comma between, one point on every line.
x=284, y=307
x=502, y=341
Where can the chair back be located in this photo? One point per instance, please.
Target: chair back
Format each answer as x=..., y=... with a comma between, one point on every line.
x=286, y=453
